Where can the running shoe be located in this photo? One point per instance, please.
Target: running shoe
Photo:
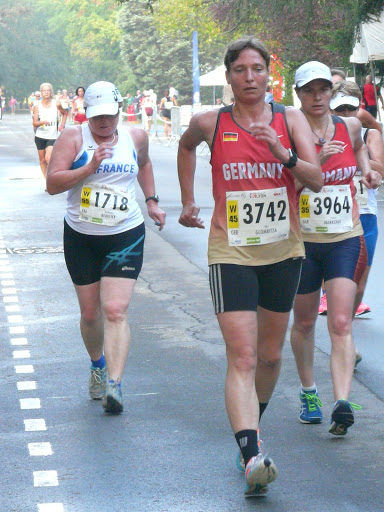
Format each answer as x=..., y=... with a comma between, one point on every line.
x=358, y=359
x=310, y=408
x=342, y=417
x=362, y=309
x=259, y=472
x=97, y=382
x=113, y=399
x=323, y=305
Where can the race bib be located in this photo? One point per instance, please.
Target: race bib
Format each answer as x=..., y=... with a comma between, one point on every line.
x=327, y=211
x=361, y=192
x=257, y=217
x=103, y=204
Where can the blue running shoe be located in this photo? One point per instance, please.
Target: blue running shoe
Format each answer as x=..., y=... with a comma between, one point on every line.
x=97, y=382
x=113, y=398
x=342, y=417
x=259, y=472
x=310, y=408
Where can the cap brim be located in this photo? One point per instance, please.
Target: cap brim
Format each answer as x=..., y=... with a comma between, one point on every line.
x=107, y=109
x=301, y=83
x=344, y=100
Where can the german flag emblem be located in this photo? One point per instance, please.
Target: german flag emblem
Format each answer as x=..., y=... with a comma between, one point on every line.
x=230, y=137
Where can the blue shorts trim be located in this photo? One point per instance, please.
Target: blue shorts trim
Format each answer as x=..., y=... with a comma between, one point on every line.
x=371, y=232
x=347, y=258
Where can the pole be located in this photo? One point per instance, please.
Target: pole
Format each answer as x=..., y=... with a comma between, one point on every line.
x=196, y=71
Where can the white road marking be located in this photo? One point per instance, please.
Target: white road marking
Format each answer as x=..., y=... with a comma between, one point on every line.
x=17, y=330
x=19, y=341
x=9, y=291
x=7, y=282
x=26, y=385
x=24, y=368
x=45, y=478
x=50, y=507
x=30, y=403
x=15, y=319
x=10, y=299
x=40, y=449
x=12, y=309
x=36, y=425
x=21, y=354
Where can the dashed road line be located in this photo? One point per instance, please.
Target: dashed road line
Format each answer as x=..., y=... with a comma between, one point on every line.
x=16, y=329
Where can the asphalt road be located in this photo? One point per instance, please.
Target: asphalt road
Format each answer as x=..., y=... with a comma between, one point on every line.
x=172, y=449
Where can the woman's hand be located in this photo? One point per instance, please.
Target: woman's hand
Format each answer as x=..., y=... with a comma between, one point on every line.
x=156, y=213
x=331, y=148
x=372, y=179
x=189, y=217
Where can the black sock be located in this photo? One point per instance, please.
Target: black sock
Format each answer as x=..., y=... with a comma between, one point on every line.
x=262, y=407
x=247, y=441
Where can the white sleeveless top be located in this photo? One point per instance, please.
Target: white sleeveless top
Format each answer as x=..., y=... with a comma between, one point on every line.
x=109, y=190
x=50, y=114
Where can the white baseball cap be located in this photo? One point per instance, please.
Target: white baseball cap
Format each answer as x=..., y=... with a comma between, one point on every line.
x=102, y=99
x=343, y=99
x=312, y=70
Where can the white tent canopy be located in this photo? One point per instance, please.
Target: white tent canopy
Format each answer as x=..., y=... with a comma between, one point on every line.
x=215, y=77
x=370, y=43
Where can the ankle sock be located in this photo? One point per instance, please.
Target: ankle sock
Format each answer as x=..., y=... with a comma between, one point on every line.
x=248, y=443
x=100, y=363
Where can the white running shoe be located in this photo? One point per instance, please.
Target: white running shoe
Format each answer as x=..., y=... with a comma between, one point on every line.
x=259, y=472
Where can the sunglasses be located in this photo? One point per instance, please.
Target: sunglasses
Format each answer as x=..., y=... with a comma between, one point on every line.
x=343, y=108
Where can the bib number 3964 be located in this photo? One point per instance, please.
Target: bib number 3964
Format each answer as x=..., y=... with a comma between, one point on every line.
x=257, y=217
x=103, y=204
x=327, y=211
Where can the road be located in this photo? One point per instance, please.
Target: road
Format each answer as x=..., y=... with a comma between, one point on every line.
x=172, y=449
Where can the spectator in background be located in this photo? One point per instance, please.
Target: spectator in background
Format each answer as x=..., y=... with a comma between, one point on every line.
x=78, y=107
x=268, y=95
x=12, y=105
x=166, y=104
x=370, y=97
x=148, y=106
x=337, y=75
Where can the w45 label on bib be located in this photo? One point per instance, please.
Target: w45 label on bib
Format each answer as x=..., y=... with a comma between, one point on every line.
x=257, y=217
x=327, y=211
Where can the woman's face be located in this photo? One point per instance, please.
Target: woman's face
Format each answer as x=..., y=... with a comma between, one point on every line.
x=103, y=126
x=346, y=111
x=80, y=92
x=46, y=92
x=315, y=97
x=248, y=76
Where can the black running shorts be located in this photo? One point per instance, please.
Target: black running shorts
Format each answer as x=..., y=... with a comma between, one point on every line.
x=42, y=144
x=243, y=288
x=91, y=257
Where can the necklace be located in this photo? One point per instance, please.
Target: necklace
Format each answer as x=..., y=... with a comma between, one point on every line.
x=113, y=139
x=322, y=140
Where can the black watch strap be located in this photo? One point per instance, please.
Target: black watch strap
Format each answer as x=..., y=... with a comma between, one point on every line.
x=153, y=198
x=292, y=159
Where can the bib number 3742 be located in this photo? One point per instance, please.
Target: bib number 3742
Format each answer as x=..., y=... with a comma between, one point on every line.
x=257, y=217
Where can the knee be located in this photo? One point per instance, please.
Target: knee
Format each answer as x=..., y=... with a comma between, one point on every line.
x=304, y=326
x=269, y=360
x=341, y=325
x=90, y=316
x=243, y=359
x=114, y=312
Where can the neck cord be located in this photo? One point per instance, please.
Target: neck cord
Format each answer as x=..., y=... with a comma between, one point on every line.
x=322, y=140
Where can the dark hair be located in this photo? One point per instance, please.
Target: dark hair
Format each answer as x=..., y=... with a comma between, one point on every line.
x=233, y=50
x=338, y=72
x=77, y=90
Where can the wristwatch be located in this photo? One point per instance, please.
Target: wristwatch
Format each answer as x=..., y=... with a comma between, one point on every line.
x=292, y=159
x=152, y=198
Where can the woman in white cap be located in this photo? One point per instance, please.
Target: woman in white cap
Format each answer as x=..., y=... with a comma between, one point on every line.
x=345, y=102
x=334, y=246
x=98, y=163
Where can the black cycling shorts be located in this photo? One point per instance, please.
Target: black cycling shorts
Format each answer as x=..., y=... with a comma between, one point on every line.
x=347, y=258
x=243, y=288
x=91, y=257
x=42, y=144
